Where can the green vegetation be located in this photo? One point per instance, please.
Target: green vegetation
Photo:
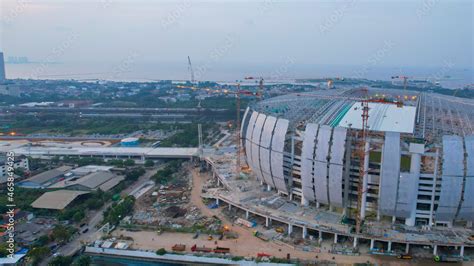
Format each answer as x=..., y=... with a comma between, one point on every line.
x=76, y=212
x=38, y=253
x=134, y=174
x=61, y=261
x=161, y=252
x=165, y=175
x=62, y=233
x=23, y=198
x=117, y=211
x=83, y=260
x=149, y=163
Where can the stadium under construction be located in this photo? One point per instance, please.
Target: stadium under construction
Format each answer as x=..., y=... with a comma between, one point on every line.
x=406, y=170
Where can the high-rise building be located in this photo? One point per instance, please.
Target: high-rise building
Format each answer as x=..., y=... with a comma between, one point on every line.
x=2, y=68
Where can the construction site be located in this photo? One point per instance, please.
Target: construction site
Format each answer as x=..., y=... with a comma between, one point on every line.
x=373, y=171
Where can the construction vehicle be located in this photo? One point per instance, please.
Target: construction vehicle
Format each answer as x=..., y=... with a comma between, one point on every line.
x=404, y=257
x=280, y=230
x=195, y=248
x=260, y=235
x=444, y=258
x=221, y=250
x=210, y=237
x=246, y=223
x=178, y=247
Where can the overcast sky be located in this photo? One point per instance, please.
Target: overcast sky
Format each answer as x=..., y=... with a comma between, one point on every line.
x=385, y=33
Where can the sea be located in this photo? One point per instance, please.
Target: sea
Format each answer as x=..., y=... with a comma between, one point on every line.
x=448, y=75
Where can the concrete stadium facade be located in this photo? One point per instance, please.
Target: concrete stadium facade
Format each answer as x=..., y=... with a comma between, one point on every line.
x=303, y=146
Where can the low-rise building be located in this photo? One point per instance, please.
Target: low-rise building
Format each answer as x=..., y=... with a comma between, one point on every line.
x=19, y=162
x=45, y=179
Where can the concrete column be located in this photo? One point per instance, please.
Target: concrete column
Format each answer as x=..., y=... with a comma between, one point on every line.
x=304, y=201
x=267, y=222
x=365, y=180
x=394, y=218
x=230, y=207
x=389, y=246
x=269, y=188
x=461, y=253
x=305, y=232
x=415, y=171
x=320, y=237
x=407, y=248
x=247, y=215
x=335, y=238
x=435, y=250
x=372, y=244
x=291, y=196
x=217, y=201
x=355, y=242
x=290, y=229
x=218, y=182
x=318, y=205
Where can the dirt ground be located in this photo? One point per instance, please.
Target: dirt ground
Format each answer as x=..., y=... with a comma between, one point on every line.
x=246, y=245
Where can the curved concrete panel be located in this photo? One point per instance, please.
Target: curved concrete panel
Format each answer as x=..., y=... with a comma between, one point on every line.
x=265, y=142
x=257, y=133
x=278, y=144
x=389, y=173
x=307, y=160
x=467, y=207
x=452, y=178
x=336, y=166
x=248, y=138
x=321, y=164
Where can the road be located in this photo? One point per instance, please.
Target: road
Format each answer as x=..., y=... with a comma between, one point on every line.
x=95, y=218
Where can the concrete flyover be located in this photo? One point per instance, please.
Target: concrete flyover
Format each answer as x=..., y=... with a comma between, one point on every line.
x=137, y=153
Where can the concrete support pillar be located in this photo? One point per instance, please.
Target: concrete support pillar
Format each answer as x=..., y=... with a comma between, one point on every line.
x=218, y=182
x=305, y=232
x=320, y=237
x=290, y=229
x=355, y=242
x=217, y=201
x=269, y=188
x=247, y=215
x=291, y=196
x=372, y=244
x=407, y=248
x=435, y=250
x=415, y=171
x=230, y=207
x=461, y=252
x=365, y=180
x=304, y=201
x=394, y=218
x=389, y=246
x=335, y=238
x=267, y=222
x=318, y=205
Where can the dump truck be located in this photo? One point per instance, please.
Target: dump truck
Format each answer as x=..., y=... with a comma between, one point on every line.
x=246, y=223
x=178, y=247
x=443, y=258
x=195, y=248
x=221, y=250
x=260, y=235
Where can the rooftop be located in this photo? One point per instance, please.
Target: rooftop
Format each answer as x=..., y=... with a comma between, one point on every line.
x=56, y=200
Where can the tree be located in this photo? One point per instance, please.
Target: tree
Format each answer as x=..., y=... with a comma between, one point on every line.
x=161, y=252
x=61, y=233
x=129, y=162
x=83, y=260
x=149, y=163
x=61, y=261
x=38, y=253
x=78, y=216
